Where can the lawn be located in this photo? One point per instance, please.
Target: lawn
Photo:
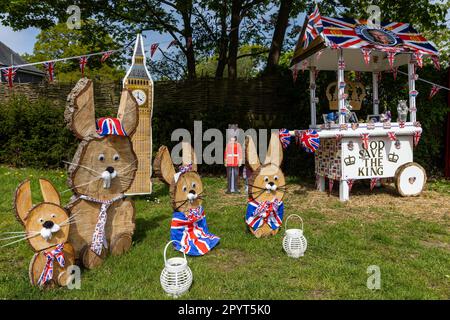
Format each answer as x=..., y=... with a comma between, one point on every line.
x=407, y=238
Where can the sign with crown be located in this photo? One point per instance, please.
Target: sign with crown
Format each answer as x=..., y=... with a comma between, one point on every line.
x=355, y=92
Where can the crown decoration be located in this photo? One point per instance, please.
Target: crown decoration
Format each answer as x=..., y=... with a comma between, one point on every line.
x=350, y=160
x=354, y=91
x=393, y=157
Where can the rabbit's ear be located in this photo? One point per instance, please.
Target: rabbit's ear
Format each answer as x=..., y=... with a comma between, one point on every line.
x=251, y=155
x=128, y=113
x=188, y=155
x=22, y=201
x=49, y=192
x=163, y=165
x=275, y=151
x=80, y=114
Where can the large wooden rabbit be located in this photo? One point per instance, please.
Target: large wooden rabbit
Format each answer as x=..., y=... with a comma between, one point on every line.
x=102, y=169
x=46, y=229
x=266, y=188
x=188, y=227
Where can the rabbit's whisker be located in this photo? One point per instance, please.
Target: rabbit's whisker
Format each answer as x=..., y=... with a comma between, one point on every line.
x=26, y=238
x=13, y=232
x=121, y=171
x=15, y=237
x=84, y=167
x=81, y=185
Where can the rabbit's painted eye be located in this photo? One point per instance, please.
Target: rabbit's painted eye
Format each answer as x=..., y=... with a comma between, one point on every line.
x=266, y=179
x=193, y=185
x=275, y=178
x=41, y=221
x=184, y=189
x=53, y=215
x=116, y=157
x=101, y=157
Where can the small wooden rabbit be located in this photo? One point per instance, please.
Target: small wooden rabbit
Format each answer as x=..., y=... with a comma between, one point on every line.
x=266, y=188
x=188, y=227
x=102, y=169
x=47, y=230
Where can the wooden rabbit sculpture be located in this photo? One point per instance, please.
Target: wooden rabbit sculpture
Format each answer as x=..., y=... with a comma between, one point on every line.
x=188, y=228
x=266, y=188
x=46, y=229
x=102, y=169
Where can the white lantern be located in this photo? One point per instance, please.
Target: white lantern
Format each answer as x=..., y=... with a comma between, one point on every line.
x=294, y=242
x=176, y=277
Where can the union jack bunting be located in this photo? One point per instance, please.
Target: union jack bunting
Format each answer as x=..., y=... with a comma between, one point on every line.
x=338, y=137
x=83, y=62
x=285, y=137
x=50, y=68
x=47, y=273
x=341, y=64
x=395, y=72
x=366, y=54
x=310, y=140
x=417, y=135
x=373, y=183
x=153, y=48
x=110, y=126
x=392, y=136
x=391, y=58
x=436, y=63
x=313, y=28
x=9, y=74
x=304, y=65
x=350, y=184
x=401, y=124
x=294, y=73
x=173, y=42
x=266, y=212
x=330, y=185
x=434, y=90
x=365, y=140
x=105, y=56
x=190, y=232
x=418, y=57
x=318, y=55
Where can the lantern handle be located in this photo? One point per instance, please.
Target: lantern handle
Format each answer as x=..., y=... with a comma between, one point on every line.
x=293, y=215
x=165, y=250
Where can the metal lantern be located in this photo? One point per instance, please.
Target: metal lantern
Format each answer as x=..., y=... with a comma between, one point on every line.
x=294, y=242
x=176, y=277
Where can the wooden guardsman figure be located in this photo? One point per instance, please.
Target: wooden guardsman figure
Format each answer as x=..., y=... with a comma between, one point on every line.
x=233, y=160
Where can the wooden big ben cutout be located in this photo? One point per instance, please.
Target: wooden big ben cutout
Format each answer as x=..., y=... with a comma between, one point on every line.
x=139, y=81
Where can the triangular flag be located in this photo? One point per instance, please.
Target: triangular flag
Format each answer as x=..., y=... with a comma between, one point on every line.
x=434, y=90
x=366, y=54
x=10, y=74
x=373, y=183
x=83, y=62
x=436, y=63
x=153, y=48
x=50, y=68
x=105, y=56
x=173, y=42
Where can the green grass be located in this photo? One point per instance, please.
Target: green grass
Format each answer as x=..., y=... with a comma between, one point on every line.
x=412, y=251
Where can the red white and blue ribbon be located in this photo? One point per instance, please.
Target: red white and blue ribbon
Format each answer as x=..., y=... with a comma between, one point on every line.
x=392, y=136
x=181, y=170
x=50, y=68
x=190, y=232
x=265, y=212
x=83, y=61
x=153, y=48
x=365, y=140
x=310, y=140
x=366, y=54
x=285, y=138
x=417, y=135
x=9, y=75
x=105, y=56
x=47, y=273
x=98, y=237
x=110, y=126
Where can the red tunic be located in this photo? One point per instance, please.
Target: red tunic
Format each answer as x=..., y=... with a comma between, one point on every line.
x=233, y=154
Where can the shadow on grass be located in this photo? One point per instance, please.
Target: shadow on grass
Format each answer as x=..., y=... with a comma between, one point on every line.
x=143, y=226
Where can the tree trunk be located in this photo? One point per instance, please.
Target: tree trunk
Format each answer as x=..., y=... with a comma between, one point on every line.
x=278, y=35
x=236, y=6
x=223, y=42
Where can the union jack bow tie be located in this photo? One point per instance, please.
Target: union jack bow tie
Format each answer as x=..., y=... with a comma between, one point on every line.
x=47, y=273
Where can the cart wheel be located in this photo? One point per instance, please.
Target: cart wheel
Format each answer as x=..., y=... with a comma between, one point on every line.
x=410, y=179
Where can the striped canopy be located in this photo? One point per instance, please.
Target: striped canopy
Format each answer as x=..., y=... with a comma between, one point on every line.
x=325, y=35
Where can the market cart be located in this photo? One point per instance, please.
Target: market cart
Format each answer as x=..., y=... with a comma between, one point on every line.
x=379, y=147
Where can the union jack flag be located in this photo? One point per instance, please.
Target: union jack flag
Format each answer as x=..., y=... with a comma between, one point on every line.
x=10, y=74
x=341, y=64
x=392, y=136
x=190, y=232
x=50, y=68
x=417, y=135
x=266, y=212
x=418, y=57
x=285, y=138
x=310, y=140
x=366, y=54
x=47, y=273
x=105, y=56
x=350, y=184
x=365, y=140
x=373, y=183
x=391, y=58
x=435, y=60
x=153, y=48
x=83, y=62
x=313, y=28
x=434, y=90
x=110, y=126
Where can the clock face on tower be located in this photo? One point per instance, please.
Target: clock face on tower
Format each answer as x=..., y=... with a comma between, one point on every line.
x=140, y=96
